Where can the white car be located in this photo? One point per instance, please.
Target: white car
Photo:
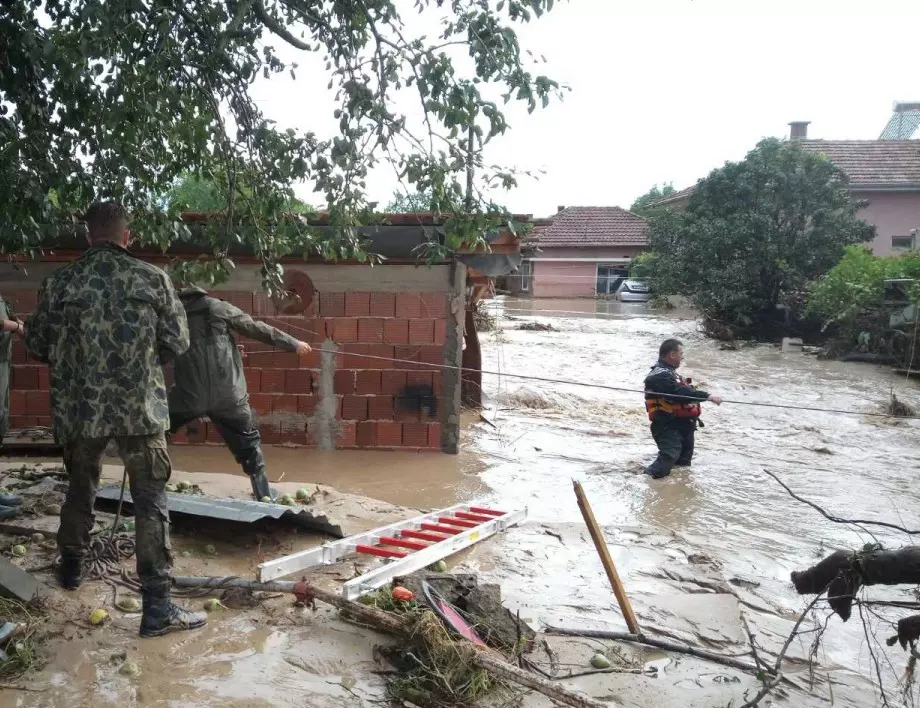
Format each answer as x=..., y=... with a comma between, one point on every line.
x=633, y=291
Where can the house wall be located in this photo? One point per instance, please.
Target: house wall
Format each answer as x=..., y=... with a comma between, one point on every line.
x=348, y=400
x=892, y=214
x=569, y=278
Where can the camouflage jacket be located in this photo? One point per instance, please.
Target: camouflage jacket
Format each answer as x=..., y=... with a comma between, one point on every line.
x=105, y=325
x=6, y=346
x=209, y=376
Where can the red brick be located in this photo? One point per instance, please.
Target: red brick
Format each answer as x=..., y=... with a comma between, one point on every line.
x=38, y=403
x=273, y=380
x=212, y=434
x=380, y=408
x=262, y=305
x=313, y=360
x=293, y=434
x=25, y=378
x=320, y=328
x=420, y=378
x=344, y=381
x=392, y=382
x=284, y=403
x=415, y=434
x=347, y=434
x=197, y=431
x=23, y=421
x=260, y=402
x=18, y=355
x=242, y=300
x=273, y=360
x=332, y=304
x=300, y=327
x=406, y=357
x=434, y=305
x=270, y=434
x=17, y=403
x=22, y=302
x=408, y=305
x=357, y=304
x=370, y=330
x=434, y=435
x=383, y=356
x=396, y=331
x=354, y=408
x=344, y=330
x=431, y=355
x=366, y=434
x=421, y=331
x=306, y=405
x=298, y=381
x=253, y=380
x=383, y=305
x=440, y=331
x=44, y=378
x=368, y=382
x=389, y=434
x=180, y=437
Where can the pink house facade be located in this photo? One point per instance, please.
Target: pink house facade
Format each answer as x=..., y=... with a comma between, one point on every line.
x=583, y=252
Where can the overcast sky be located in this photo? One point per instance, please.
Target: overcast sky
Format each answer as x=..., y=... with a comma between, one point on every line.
x=666, y=90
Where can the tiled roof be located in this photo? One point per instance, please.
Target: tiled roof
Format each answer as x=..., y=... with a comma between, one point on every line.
x=593, y=226
x=680, y=196
x=873, y=162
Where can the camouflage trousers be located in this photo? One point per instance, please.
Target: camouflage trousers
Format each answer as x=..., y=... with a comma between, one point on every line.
x=146, y=460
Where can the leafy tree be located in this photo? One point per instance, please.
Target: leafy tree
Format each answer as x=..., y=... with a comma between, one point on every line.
x=641, y=205
x=410, y=203
x=755, y=233
x=850, y=298
x=198, y=194
x=119, y=98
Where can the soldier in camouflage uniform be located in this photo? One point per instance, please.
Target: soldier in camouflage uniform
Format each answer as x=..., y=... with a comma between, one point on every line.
x=9, y=325
x=105, y=325
x=209, y=380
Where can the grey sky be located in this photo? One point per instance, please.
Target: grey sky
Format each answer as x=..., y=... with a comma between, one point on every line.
x=665, y=90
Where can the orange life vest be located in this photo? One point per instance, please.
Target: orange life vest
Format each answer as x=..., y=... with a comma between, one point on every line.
x=679, y=409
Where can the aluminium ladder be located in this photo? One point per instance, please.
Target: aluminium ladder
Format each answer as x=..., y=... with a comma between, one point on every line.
x=407, y=546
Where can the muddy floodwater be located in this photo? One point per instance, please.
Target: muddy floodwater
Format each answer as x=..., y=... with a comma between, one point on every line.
x=697, y=551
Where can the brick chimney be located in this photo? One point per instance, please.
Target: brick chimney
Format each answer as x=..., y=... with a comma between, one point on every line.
x=798, y=129
x=560, y=208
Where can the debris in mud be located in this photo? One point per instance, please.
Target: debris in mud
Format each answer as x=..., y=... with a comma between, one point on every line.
x=898, y=408
x=483, y=319
x=536, y=327
x=240, y=599
x=822, y=450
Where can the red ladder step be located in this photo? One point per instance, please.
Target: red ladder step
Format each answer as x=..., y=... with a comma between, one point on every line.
x=472, y=517
x=424, y=535
x=402, y=543
x=450, y=531
x=488, y=512
x=381, y=552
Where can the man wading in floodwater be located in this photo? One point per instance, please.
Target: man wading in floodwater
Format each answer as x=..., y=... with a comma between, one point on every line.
x=674, y=408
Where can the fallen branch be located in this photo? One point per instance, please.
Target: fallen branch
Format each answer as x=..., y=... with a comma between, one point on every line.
x=392, y=624
x=843, y=573
x=660, y=644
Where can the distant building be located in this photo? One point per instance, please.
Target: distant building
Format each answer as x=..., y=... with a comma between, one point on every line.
x=579, y=252
x=885, y=173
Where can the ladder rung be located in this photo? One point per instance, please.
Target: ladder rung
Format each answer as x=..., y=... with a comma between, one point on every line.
x=381, y=552
x=483, y=510
x=441, y=529
x=472, y=517
x=402, y=543
x=457, y=522
x=424, y=535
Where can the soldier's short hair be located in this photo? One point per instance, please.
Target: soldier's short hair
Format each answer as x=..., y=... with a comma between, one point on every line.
x=668, y=346
x=105, y=220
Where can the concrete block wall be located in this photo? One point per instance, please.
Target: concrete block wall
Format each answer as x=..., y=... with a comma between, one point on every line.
x=357, y=407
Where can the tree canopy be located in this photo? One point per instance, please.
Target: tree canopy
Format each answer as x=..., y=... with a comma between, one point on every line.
x=120, y=98
x=755, y=233
x=640, y=206
x=410, y=203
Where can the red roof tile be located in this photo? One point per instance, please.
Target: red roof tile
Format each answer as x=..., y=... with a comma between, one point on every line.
x=873, y=163
x=593, y=226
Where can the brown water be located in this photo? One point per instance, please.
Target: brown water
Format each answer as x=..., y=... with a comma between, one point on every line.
x=695, y=550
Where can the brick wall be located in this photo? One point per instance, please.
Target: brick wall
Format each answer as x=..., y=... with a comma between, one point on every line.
x=369, y=328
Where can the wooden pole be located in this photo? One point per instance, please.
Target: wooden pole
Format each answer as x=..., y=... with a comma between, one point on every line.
x=600, y=544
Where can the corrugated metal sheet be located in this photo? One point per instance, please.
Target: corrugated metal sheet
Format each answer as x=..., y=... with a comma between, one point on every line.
x=241, y=510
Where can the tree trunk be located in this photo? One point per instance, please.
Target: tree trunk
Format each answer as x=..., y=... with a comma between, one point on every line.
x=843, y=573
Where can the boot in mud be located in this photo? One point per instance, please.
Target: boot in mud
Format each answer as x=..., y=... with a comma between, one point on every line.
x=70, y=572
x=259, y=481
x=10, y=499
x=161, y=616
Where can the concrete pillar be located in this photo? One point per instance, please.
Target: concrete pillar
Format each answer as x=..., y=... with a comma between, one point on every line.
x=453, y=357
x=323, y=421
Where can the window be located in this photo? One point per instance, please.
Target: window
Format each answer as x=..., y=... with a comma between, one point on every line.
x=525, y=271
x=609, y=278
x=902, y=241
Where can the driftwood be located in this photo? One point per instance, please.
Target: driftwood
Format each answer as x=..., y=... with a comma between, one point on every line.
x=662, y=644
x=486, y=659
x=843, y=573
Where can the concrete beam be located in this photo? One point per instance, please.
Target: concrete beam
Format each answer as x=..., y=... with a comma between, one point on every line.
x=453, y=356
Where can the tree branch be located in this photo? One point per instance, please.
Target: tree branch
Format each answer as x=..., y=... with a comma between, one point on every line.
x=276, y=28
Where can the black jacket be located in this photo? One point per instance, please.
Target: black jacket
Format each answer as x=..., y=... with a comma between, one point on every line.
x=209, y=376
x=664, y=379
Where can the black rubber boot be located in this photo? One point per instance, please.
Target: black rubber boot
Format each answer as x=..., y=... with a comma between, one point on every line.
x=260, y=487
x=8, y=512
x=161, y=616
x=70, y=572
x=10, y=500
